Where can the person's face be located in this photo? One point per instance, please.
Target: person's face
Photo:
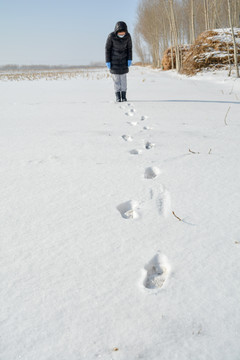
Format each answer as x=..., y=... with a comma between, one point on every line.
x=121, y=33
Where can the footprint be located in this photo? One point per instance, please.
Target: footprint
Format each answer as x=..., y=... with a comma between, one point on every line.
x=164, y=202
x=131, y=112
x=157, y=272
x=152, y=172
x=128, y=209
x=135, y=152
x=127, y=138
x=149, y=145
x=133, y=123
x=147, y=128
x=144, y=117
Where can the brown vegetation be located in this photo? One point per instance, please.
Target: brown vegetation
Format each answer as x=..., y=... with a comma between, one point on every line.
x=52, y=75
x=143, y=64
x=169, y=57
x=212, y=49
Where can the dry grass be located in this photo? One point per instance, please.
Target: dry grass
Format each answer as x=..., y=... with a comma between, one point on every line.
x=167, y=57
x=142, y=64
x=212, y=49
x=52, y=75
x=176, y=216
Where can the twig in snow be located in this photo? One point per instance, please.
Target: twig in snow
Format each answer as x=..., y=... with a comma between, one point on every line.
x=193, y=152
x=225, y=119
x=199, y=331
x=176, y=216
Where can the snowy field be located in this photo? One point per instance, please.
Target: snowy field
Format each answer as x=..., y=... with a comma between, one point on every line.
x=94, y=264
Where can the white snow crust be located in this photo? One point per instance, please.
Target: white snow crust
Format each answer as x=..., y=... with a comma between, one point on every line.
x=113, y=249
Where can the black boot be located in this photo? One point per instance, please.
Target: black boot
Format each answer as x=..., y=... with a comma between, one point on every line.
x=118, y=96
x=124, y=96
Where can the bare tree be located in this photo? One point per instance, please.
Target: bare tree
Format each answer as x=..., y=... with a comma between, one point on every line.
x=206, y=14
x=236, y=13
x=153, y=27
x=192, y=3
x=148, y=27
x=233, y=36
x=174, y=32
x=139, y=46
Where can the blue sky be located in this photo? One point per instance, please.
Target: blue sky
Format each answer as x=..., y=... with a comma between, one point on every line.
x=59, y=31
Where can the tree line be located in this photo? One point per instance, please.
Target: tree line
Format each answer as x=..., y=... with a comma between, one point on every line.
x=169, y=23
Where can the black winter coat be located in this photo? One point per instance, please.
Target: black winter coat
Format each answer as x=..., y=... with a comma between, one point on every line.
x=119, y=50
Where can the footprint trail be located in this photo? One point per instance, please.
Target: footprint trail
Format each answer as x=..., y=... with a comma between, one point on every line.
x=163, y=202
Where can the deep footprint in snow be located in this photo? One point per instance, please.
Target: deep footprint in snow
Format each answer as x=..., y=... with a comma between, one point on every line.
x=127, y=138
x=128, y=209
x=144, y=117
x=149, y=145
x=156, y=272
x=131, y=112
x=152, y=172
x=135, y=152
x=164, y=202
x=133, y=123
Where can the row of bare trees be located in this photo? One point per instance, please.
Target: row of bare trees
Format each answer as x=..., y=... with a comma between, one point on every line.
x=169, y=23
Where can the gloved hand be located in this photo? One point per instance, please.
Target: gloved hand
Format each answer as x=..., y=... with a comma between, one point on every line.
x=129, y=62
x=108, y=65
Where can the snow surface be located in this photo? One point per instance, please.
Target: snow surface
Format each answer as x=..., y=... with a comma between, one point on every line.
x=94, y=264
x=225, y=35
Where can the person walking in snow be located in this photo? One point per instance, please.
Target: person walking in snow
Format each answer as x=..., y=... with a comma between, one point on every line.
x=119, y=58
